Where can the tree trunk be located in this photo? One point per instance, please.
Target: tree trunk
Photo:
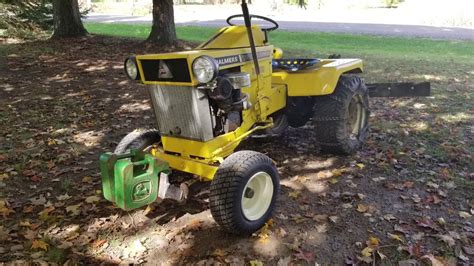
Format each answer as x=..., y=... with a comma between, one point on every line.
x=67, y=19
x=163, y=31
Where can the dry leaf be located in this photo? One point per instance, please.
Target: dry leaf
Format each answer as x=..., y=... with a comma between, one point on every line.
x=256, y=263
x=373, y=242
x=367, y=252
x=4, y=210
x=395, y=237
x=381, y=255
x=362, y=208
x=447, y=239
x=93, y=199
x=63, y=197
x=74, y=209
x=39, y=244
x=294, y=194
x=434, y=261
x=465, y=215
x=219, y=253
x=360, y=165
x=87, y=179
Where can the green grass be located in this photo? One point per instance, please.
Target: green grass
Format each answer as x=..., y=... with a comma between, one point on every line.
x=323, y=44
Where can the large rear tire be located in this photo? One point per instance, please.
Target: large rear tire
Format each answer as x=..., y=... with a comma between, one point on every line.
x=341, y=118
x=140, y=140
x=244, y=191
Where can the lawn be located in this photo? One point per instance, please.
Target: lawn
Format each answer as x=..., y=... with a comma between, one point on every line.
x=322, y=44
x=406, y=196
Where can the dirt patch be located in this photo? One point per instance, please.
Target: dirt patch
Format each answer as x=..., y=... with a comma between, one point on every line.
x=407, y=195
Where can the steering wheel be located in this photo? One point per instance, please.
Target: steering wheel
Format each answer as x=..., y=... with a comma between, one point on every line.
x=255, y=16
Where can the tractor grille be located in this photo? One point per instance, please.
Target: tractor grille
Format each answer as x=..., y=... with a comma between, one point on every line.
x=178, y=68
x=182, y=111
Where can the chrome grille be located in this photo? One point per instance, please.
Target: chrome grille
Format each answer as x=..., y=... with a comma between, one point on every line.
x=182, y=111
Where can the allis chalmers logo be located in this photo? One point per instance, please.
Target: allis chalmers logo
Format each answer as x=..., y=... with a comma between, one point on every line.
x=164, y=71
x=227, y=60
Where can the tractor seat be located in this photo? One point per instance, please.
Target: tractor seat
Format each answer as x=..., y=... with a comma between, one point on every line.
x=293, y=65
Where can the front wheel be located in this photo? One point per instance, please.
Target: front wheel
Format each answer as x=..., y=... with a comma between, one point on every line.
x=341, y=118
x=244, y=191
x=141, y=140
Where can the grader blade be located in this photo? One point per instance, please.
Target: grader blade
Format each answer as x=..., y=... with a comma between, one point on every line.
x=399, y=89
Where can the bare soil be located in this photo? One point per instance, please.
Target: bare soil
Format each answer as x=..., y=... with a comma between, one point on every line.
x=406, y=197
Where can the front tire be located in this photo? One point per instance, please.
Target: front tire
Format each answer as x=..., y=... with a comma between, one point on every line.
x=140, y=140
x=341, y=118
x=244, y=191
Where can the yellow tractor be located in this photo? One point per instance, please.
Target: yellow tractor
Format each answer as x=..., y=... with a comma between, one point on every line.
x=207, y=100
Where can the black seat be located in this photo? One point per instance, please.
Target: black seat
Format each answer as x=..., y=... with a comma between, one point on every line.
x=293, y=65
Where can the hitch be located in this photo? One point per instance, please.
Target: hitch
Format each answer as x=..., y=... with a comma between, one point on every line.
x=399, y=89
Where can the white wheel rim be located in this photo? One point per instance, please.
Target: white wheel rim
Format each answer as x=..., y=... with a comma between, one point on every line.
x=356, y=117
x=257, y=196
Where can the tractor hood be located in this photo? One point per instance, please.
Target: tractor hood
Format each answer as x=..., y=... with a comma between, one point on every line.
x=176, y=68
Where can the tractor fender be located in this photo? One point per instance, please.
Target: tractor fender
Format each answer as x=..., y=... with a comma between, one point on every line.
x=317, y=81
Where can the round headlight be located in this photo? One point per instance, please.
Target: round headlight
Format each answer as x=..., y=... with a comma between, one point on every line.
x=131, y=68
x=205, y=69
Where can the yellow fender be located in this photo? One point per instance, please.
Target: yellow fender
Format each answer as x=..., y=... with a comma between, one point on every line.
x=318, y=80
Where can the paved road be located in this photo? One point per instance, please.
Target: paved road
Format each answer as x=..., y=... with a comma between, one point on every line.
x=353, y=28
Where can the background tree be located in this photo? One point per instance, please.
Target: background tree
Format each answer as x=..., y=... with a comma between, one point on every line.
x=163, y=31
x=67, y=19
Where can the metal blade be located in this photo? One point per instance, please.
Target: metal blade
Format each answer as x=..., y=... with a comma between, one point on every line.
x=399, y=89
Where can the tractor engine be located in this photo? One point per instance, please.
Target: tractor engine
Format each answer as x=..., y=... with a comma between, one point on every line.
x=201, y=113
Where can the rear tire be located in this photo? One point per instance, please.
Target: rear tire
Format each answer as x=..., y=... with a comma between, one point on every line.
x=341, y=118
x=244, y=191
x=138, y=140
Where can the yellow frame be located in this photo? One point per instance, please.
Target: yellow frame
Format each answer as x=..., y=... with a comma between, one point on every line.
x=268, y=94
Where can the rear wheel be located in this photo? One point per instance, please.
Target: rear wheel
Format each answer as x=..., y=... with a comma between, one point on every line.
x=341, y=119
x=244, y=191
x=141, y=140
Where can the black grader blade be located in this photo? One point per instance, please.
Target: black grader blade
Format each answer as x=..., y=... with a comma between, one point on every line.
x=399, y=89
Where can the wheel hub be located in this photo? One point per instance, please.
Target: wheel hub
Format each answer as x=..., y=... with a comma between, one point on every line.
x=257, y=196
x=356, y=117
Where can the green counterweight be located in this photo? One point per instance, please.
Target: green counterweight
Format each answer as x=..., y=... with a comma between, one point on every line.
x=131, y=180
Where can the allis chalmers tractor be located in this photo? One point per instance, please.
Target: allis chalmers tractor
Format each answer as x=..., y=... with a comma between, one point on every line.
x=206, y=101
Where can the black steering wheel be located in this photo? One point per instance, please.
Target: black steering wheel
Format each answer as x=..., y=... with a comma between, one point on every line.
x=255, y=16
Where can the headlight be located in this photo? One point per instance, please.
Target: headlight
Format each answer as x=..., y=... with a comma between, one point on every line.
x=131, y=68
x=205, y=69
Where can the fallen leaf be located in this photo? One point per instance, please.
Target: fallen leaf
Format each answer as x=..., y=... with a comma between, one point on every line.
x=63, y=197
x=377, y=179
x=381, y=255
x=367, y=252
x=373, y=242
x=87, y=179
x=74, y=209
x=447, y=239
x=362, y=208
x=434, y=260
x=44, y=214
x=408, y=184
x=294, y=194
x=93, y=199
x=39, y=244
x=334, y=219
x=218, y=252
x=395, y=237
x=465, y=215
x=4, y=210
x=360, y=165
x=305, y=255
x=389, y=217
x=256, y=263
